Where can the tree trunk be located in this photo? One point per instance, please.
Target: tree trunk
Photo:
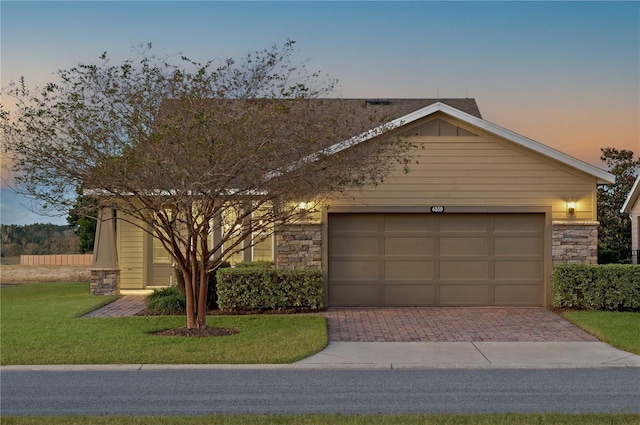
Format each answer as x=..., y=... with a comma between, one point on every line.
x=202, y=297
x=188, y=290
x=192, y=293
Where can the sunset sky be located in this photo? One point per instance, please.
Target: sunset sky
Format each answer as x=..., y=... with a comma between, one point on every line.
x=566, y=74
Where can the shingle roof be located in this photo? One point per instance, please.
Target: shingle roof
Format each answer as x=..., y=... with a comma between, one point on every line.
x=363, y=113
x=404, y=106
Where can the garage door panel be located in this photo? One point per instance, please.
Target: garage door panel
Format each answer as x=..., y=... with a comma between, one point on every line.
x=464, y=270
x=513, y=294
x=518, y=270
x=463, y=223
x=407, y=223
x=464, y=295
x=409, y=295
x=408, y=246
x=530, y=223
x=353, y=270
x=353, y=295
x=522, y=246
x=353, y=246
x=354, y=223
x=464, y=246
x=408, y=270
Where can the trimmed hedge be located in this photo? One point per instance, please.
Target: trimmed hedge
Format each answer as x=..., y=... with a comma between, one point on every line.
x=597, y=287
x=261, y=288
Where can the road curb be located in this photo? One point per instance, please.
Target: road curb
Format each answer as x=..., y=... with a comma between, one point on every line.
x=301, y=367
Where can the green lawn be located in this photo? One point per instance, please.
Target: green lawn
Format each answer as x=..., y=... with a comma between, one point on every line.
x=498, y=419
x=40, y=324
x=619, y=329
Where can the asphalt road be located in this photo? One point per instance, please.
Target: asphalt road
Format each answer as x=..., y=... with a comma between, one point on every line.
x=281, y=391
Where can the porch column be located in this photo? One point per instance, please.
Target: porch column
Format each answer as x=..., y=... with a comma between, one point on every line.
x=105, y=272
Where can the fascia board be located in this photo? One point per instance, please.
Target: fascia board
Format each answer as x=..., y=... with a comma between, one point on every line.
x=632, y=198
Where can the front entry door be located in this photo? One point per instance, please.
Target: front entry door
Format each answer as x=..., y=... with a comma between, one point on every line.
x=160, y=271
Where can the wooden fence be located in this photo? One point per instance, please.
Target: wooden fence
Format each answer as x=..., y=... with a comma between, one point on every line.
x=56, y=260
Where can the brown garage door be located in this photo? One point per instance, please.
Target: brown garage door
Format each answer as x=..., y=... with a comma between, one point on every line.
x=435, y=259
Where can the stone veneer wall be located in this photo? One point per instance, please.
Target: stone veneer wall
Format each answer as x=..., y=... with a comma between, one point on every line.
x=299, y=246
x=105, y=282
x=575, y=242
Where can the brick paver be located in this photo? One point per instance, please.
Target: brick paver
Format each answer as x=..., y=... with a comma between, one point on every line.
x=451, y=324
x=127, y=305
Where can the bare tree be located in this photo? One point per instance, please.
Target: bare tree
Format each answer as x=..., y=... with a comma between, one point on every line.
x=176, y=146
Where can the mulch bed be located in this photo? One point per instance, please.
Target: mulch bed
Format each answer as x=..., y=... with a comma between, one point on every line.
x=206, y=332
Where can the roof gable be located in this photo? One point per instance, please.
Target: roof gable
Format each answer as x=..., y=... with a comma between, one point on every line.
x=632, y=198
x=602, y=176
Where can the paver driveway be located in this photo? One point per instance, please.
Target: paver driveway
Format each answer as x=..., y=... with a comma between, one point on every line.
x=451, y=324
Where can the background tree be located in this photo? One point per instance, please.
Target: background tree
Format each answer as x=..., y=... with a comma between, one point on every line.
x=83, y=217
x=177, y=146
x=614, y=232
x=37, y=239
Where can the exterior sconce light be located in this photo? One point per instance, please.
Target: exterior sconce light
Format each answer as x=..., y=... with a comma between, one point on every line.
x=302, y=206
x=571, y=208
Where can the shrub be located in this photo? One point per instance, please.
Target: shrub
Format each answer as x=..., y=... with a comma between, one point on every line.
x=259, y=288
x=212, y=294
x=167, y=301
x=597, y=287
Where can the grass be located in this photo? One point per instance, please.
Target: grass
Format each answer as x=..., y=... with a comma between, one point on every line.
x=40, y=324
x=478, y=419
x=619, y=329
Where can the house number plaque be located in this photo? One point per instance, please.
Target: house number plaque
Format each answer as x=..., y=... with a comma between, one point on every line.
x=437, y=209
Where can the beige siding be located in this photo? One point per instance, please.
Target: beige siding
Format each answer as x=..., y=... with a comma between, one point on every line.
x=481, y=171
x=130, y=255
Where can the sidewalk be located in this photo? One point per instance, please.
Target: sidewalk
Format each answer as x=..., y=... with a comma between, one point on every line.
x=471, y=355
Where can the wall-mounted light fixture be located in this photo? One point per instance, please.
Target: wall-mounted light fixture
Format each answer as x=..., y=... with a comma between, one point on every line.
x=571, y=208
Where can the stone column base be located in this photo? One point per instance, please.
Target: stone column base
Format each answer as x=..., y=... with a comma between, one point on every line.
x=105, y=282
x=575, y=242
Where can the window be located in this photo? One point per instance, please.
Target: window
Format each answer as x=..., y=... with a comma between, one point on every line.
x=160, y=255
x=262, y=238
x=231, y=232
